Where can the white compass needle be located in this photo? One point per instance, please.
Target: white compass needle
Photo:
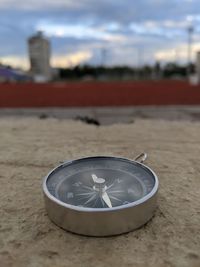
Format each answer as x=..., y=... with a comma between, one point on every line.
x=106, y=199
x=99, y=183
x=97, y=180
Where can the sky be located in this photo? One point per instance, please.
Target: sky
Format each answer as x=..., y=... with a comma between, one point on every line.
x=112, y=32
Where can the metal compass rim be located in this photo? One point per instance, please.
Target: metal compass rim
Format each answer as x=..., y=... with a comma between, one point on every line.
x=107, y=209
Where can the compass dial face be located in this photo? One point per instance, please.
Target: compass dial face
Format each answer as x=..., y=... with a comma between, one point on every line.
x=100, y=182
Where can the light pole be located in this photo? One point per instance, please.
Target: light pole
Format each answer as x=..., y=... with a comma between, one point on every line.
x=103, y=56
x=190, y=31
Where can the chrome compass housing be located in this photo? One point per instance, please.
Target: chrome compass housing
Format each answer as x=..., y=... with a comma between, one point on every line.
x=101, y=195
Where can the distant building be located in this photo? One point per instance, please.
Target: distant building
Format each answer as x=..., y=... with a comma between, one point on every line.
x=39, y=55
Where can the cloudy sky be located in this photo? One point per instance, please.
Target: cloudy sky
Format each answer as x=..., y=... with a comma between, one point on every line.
x=117, y=32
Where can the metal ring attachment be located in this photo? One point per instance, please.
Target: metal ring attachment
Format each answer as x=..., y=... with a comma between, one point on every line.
x=141, y=157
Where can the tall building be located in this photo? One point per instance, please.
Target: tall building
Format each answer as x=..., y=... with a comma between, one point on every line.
x=39, y=55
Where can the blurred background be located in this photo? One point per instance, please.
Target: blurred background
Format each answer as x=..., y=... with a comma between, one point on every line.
x=94, y=60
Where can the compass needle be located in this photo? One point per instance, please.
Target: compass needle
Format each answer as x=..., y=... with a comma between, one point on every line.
x=106, y=199
x=97, y=180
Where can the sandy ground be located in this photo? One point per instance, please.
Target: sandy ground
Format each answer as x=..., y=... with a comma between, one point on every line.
x=109, y=115
x=30, y=147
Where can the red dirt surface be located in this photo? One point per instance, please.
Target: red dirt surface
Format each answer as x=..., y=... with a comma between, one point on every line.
x=83, y=94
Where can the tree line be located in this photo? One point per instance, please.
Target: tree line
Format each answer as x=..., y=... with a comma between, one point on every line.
x=168, y=71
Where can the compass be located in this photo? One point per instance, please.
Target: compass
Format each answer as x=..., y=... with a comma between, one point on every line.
x=101, y=195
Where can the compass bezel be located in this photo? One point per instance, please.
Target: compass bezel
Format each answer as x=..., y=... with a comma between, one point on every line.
x=107, y=209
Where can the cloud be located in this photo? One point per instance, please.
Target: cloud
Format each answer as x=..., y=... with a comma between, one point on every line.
x=37, y=4
x=16, y=61
x=121, y=27
x=78, y=31
x=71, y=59
x=179, y=52
x=64, y=61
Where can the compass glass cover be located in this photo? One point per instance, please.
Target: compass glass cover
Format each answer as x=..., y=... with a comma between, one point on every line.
x=100, y=182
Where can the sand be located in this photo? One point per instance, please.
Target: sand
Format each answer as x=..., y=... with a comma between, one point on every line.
x=30, y=147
